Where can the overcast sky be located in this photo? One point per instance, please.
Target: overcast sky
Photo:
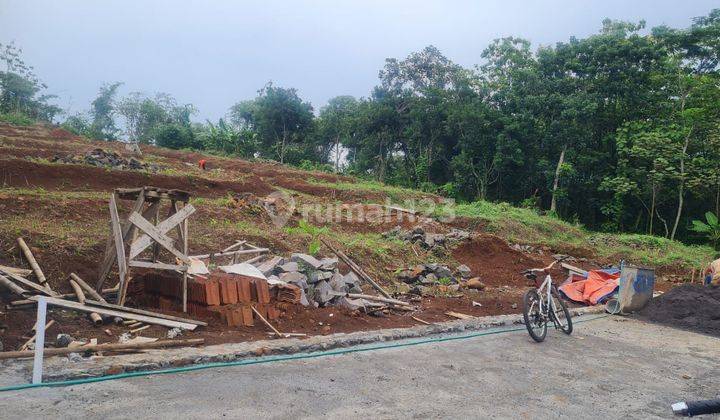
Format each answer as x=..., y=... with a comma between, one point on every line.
x=215, y=53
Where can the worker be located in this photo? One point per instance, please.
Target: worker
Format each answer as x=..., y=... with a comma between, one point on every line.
x=712, y=272
x=202, y=163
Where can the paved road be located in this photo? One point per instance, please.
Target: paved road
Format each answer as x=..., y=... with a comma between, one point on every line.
x=606, y=368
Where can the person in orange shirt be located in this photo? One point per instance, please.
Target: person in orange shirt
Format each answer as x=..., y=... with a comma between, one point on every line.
x=202, y=164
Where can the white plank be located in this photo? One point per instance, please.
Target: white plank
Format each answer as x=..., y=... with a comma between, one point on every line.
x=163, y=227
x=155, y=234
x=119, y=313
x=157, y=265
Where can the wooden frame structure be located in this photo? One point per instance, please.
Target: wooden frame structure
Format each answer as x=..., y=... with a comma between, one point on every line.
x=143, y=229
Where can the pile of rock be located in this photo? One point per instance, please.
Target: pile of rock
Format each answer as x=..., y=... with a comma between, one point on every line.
x=320, y=281
x=417, y=235
x=105, y=159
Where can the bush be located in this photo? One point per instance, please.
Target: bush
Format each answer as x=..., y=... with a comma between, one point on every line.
x=16, y=118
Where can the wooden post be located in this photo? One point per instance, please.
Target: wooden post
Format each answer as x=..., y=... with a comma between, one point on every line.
x=110, y=255
x=33, y=264
x=39, y=340
x=185, y=251
x=94, y=317
x=119, y=245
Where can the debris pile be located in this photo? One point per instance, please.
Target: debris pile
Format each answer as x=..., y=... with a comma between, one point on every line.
x=689, y=306
x=105, y=159
x=426, y=240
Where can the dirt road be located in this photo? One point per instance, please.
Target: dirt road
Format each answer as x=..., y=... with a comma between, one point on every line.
x=610, y=367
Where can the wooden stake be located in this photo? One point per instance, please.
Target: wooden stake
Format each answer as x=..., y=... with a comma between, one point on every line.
x=265, y=321
x=137, y=330
x=354, y=267
x=103, y=347
x=420, y=320
x=378, y=299
x=32, y=339
x=94, y=317
x=31, y=260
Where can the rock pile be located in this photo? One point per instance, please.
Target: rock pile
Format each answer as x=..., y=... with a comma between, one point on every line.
x=105, y=159
x=319, y=280
x=427, y=240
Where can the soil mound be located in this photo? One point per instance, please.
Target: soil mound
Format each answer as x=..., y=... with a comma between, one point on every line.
x=690, y=306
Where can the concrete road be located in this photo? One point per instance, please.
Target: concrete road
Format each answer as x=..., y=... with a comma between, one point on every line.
x=610, y=367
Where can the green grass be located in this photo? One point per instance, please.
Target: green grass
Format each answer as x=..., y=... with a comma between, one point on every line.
x=393, y=192
x=16, y=118
x=526, y=226
x=53, y=194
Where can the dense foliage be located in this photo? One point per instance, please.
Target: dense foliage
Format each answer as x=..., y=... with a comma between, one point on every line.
x=619, y=131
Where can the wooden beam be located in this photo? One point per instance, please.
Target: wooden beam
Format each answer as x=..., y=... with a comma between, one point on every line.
x=574, y=269
x=18, y=271
x=184, y=238
x=32, y=339
x=111, y=256
x=233, y=246
x=144, y=241
x=12, y=286
x=119, y=244
x=144, y=312
x=23, y=302
x=117, y=313
x=157, y=235
x=25, y=282
x=266, y=322
x=354, y=267
x=378, y=299
x=225, y=254
x=33, y=263
x=95, y=295
x=157, y=265
x=94, y=317
x=104, y=347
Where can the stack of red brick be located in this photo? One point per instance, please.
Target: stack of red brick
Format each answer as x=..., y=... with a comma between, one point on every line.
x=227, y=296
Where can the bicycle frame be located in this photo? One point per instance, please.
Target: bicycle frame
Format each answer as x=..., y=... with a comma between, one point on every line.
x=546, y=289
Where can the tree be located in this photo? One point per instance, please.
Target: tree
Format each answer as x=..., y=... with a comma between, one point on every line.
x=102, y=113
x=143, y=115
x=336, y=124
x=20, y=87
x=281, y=119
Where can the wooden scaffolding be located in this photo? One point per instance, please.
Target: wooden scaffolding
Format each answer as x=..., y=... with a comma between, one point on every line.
x=144, y=230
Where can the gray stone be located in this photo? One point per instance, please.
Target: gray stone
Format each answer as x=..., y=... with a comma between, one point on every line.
x=355, y=289
x=269, y=266
x=337, y=282
x=307, y=260
x=323, y=292
x=64, y=340
x=443, y=272
x=351, y=304
x=465, y=271
x=294, y=278
x=429, y=279
x=351, y=278
x=289, y=267
x=317, y=276
x=328, y=264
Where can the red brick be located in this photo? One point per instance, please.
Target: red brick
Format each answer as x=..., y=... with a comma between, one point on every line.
x=273, y=312
x=228, y=291
x=247, y=316
x=244, y=289
x=262, y=290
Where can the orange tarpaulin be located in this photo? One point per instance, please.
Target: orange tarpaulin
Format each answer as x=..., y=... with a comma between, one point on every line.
x=590, y=291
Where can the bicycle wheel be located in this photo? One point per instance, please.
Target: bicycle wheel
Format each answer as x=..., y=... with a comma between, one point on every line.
x=534, y=321
x=566, y=326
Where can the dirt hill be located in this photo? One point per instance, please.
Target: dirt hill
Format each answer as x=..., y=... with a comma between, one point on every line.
x=61, y=209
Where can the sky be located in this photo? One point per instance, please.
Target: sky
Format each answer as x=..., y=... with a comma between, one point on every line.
x=215, y=53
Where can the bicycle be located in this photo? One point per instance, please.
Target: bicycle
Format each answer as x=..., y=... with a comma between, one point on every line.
x=539, y=306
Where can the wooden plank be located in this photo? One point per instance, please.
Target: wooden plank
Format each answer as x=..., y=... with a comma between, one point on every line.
x=18, y=271
x=354, y=267
x=144, y=312
x=156, y=265
x=233, y=246
x=184, y=238
x=31, y=260
x=265, y=321
x=110, y=256
x=32, y=339
x=458, y=315
x=95, y=295
x=420, y=320
x=119, y=244
x=23, y=302
x=12, y=286
x=144, y=241
x=574, y=269
x=159, y=237
x=118, y=313
x=25, y=282
x=225, y=254
x=104, y=347
x=377, y=299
